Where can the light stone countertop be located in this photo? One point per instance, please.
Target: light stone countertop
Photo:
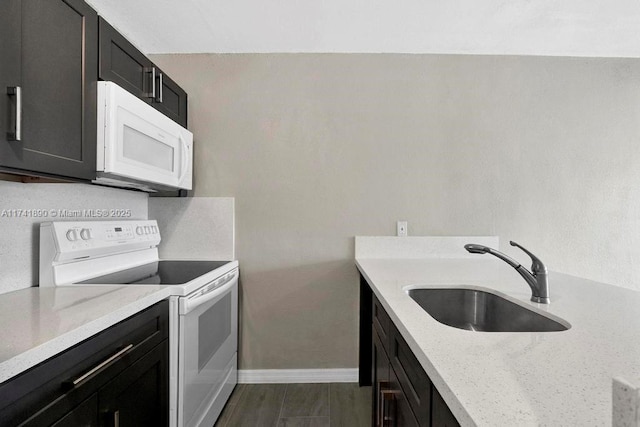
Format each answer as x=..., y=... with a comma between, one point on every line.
x=38, y=323
x=508, y=379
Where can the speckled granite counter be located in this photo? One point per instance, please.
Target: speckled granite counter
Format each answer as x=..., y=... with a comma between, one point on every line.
x=516, y=379
x=38, y=323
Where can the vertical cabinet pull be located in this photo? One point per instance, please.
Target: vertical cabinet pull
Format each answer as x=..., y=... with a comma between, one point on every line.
x=380, y=404
x=15, y=132
x=388, y=413
x=151, y=83
x=160, y=77
x=116, y=419
x=154, y=84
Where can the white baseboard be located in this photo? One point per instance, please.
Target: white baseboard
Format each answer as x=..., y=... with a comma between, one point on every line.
x=290, y=376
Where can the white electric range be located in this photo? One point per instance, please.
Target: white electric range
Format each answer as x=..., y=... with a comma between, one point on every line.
x=203, y=327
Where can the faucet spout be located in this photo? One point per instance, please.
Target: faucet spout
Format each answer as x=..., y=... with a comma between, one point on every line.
x=536, y=278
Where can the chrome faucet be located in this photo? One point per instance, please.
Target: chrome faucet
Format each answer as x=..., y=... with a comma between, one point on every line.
x=536, y=278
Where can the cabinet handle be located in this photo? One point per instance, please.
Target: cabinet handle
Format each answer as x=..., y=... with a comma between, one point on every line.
x=16, y=134
x=102, y=365
x=380, y=404
x=388, y=398
x=160, y=77
x=116, y=418
x=152, y=79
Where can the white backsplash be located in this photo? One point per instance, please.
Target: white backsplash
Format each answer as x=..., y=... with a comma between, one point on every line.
x=192, y=228
x=418, y=246
x=19, y=230
x=195, y=227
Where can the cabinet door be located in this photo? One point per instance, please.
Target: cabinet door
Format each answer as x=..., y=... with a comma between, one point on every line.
x=441, y=415
x=390, y=406
x=10, y=69
x=85, y=414
x=139, y=395
x=414, y=382
x=380, y=377
x=170, y=99
x=58, y=75
x=122, y=63
x=397, y=411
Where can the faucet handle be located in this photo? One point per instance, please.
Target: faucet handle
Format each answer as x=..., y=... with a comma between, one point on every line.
x=537, y=265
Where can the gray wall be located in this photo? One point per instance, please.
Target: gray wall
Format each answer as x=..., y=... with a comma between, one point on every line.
x=19, y=235
x=317, y=148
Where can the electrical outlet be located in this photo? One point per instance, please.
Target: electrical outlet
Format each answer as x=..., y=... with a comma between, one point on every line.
x=401, y=228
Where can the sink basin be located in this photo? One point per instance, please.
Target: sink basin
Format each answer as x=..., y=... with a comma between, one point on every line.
x=477, y=310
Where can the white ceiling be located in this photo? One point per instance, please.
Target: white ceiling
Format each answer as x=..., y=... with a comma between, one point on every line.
x=530, y=27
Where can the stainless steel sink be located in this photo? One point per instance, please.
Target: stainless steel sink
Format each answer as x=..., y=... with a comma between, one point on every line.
x=477, y=310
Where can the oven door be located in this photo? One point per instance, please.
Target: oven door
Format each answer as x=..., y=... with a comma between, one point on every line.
x=208, y=343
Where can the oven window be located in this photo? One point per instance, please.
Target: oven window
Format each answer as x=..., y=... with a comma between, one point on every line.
x=214, y=327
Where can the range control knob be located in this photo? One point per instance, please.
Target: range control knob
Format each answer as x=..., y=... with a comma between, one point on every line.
x=72, y=235
x=147, y=229
x=139, y=230
x=85, y=234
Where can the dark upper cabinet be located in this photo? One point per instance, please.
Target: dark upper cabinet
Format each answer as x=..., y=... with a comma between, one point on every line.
x=171, y=99
x=121, y=62
x=10, y=69
x=48, y=76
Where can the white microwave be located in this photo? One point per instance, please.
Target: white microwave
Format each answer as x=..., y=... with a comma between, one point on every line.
x=138, y=146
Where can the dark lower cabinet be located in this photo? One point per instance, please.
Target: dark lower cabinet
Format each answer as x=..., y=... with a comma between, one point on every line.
x=118, y=377
x=400, y=413
x=380, y=375
x=390, y=405
x=442, y=416
x=138, y=396
x=122, y=63
x=403, y=395
x=48, y=75
x=85, y=414
x=410, y=375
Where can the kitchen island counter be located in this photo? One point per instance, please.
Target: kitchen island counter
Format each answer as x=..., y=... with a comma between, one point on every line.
x=502, y=378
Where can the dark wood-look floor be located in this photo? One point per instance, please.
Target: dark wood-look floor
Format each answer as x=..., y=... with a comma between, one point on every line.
x=298, y=405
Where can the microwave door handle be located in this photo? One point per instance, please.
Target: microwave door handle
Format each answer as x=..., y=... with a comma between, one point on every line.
x=188, y=304
x=185, y=160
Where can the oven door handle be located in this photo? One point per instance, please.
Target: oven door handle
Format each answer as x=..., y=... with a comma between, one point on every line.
x=189, y=303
